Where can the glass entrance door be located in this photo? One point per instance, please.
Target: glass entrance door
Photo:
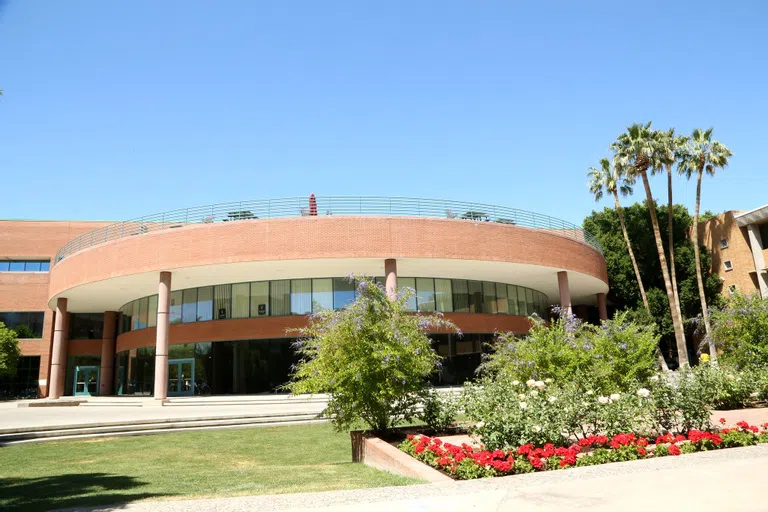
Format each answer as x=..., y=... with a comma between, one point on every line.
x=86, y=381
x=181, y=377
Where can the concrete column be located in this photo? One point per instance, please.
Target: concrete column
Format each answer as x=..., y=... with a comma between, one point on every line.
x=565, y=291
x=601, y=307
x=161, y=343
x=106, y=375
x=59, y=352
x=756, y=244
x=390, y=277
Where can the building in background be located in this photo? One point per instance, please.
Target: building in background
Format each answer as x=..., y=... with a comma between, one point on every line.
x=202, y=300
x=738, y=242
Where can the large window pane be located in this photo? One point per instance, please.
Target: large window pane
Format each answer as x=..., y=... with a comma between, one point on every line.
x=143, y=312
x=175, y=311
x=522, y=308
x=322, y=294
x=125, y=318
x=501, y=298
x=135, y=316
x=45, y=266
x=32, y=266
x=240, y=294
x=280, y=297
x=222, y=301
x=425, y=294
x=205, y=304
x=189, y=307
x=512, y=299
x=343, y=292
x=475, y=296
x=301, y=296
x=260, y=298
x=460, y=296
x=408, y=282
x=443, y=295
x=17, y=266
x=152, y=312
x=489, y=297
x=529, y=301
x=5, y=266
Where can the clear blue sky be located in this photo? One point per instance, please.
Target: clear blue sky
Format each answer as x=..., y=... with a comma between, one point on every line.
x=113, y=110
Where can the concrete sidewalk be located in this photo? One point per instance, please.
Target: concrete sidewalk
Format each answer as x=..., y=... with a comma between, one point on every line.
x=723, y=480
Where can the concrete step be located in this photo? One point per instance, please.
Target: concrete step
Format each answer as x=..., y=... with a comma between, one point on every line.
x=73, y=436
x=151, y=427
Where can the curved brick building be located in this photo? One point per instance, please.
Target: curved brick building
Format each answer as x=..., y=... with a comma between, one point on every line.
x=198, y=301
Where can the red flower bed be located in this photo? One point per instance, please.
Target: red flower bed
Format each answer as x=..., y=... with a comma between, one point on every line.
x=464, y=462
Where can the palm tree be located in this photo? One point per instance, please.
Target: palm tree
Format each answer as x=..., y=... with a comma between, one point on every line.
x=614, y=181
x=703, y=154
x=634, y=151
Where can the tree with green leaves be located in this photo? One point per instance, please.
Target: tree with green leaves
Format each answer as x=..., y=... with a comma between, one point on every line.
x=703, y=154
x=634, y=150
x=373, y=358
x=10, y=352
x=611, y=179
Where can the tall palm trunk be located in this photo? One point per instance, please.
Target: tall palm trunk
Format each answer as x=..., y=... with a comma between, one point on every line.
x=699, y=278
x=677, y=321
x=671, y=237
x=630, y=251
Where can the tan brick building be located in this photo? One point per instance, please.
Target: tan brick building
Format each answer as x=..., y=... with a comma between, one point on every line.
x=739, y=245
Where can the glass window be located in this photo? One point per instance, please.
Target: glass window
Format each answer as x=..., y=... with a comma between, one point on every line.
x=45, y=266
x=135, y=316
x=222, y=301
x=205, y=304
x=475, y=296
x=512, y=299
x=174, y=314
x=408, y=282
x=32, y=266
x=522, y=309
x=322, y=294
x=280, y=297
x=460, y=296
x=489, y=297
x=143, y=312
x=152, y=312
x=4, y=266
x=127, y=312
x=343, y=292
x=17, y=266
x=27, y=324
x=260, y=298
x=301, y=296
x=443, y=295
x=189, y=307
x=501, y=299
x=529, y=301
x=425, y=294
x=240, y=294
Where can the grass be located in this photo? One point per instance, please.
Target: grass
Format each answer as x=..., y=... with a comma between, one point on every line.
x=106, y=471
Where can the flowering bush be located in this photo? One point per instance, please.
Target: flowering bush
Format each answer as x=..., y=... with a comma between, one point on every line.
x=605, y=358
x=372, y=358
x=740, y=330
x=439, y=410
x=730, y=388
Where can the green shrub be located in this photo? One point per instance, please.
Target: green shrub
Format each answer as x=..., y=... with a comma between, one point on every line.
x=373, y=358
x=727, y=387
x=606, y=358
x=740, y=330
x=9, y=351
x=439, y=410
x=679, y=402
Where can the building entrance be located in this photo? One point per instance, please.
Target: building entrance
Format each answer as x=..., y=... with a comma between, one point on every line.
x=181, y=377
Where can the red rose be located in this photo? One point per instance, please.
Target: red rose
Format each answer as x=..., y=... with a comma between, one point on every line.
x=674, y=450
x=722, y=421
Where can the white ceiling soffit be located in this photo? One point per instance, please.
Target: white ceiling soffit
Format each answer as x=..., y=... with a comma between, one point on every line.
x=756, y=216
x=111, y=294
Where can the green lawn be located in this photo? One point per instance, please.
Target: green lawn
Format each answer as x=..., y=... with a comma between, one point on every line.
x=304, y=458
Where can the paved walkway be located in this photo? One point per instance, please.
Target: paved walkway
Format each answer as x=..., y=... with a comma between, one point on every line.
x=717, y=481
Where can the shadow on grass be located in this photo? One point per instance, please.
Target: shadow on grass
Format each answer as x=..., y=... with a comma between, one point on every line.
x=65, y=491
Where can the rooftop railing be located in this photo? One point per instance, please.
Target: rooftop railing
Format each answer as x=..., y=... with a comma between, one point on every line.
x=328, y=205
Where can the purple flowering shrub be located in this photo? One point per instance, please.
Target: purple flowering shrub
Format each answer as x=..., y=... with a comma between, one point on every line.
x=373, y=358
x=603, y=358
x=740, y=331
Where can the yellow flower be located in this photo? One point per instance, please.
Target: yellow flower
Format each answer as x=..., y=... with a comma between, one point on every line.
x=704, y=358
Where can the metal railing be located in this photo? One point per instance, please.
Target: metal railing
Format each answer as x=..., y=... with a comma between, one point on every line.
x=328, y=205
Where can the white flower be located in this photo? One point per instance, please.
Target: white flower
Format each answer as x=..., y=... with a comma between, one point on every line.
x=754, y=395
x=615, y=396
x=548, y=381
x=654, y=378
x=480, y=424
x=730, y=377
x=551, y=399
x=515, y=382
x=590, y=392
x=523, y=405
x=534, y=392
x=536, y=428
x=521, y=396
x=642, y=392
x=603, y=400
x=540, y=384
x=530, y=383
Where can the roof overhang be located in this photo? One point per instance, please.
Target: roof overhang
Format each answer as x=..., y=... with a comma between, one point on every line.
x=756, y=216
